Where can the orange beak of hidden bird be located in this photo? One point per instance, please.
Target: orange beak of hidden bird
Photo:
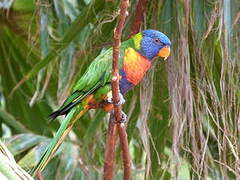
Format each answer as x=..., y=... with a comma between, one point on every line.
x=164, y=52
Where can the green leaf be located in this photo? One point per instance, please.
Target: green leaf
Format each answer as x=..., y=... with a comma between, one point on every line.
x=87, y=15
x=11, y=121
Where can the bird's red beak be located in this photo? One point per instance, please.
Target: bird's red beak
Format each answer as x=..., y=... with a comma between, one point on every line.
x=164, y=52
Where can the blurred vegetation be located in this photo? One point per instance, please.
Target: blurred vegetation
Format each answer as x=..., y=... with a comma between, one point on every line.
x=184, y=118
x=9, y=169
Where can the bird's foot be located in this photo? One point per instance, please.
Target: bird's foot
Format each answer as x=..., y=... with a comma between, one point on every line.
x=123, y=117
x=120, y=102
x=122, y=120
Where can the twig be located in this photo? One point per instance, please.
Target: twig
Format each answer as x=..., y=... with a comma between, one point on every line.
x=138, y=19
x=125, y=151
x=39, y=175
x=110, y=149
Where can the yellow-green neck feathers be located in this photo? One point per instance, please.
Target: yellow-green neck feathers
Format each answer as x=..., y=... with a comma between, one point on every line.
x=137, y=40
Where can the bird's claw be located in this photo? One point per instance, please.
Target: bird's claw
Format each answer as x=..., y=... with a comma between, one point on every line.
x=123, y=117
x=122, y=120
x=120, y=102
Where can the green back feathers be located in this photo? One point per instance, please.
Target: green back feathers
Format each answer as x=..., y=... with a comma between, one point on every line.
x=102, y=64
x=137, y=40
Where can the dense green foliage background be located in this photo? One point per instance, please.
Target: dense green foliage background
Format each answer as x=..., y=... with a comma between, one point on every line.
x=184, y=118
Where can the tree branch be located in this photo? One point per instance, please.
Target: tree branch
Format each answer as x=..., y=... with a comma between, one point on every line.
x=39, y=175
x=138, y=19
x=110, y=149
x=125, y=151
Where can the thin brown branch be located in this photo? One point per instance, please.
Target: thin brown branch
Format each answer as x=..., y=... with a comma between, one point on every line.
x=110, y=149
x=39, y=175
x=138, y=19
x=125, y=151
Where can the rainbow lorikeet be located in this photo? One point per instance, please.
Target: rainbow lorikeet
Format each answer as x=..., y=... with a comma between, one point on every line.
x=93, y=90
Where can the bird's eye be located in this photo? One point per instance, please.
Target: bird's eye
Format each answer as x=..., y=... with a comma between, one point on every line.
x=158, y=41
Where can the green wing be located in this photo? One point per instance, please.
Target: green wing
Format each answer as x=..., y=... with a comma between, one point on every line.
x=102, y=64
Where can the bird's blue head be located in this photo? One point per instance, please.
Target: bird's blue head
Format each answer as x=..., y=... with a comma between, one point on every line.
x=154, y=43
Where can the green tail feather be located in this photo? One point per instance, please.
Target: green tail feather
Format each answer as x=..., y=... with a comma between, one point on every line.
x=53, y=144
x=65, y=127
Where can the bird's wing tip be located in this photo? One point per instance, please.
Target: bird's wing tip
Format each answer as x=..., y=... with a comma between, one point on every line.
x=54, y=115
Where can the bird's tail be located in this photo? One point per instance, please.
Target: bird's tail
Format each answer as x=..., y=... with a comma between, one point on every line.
x=62, y=132
x=73, y=114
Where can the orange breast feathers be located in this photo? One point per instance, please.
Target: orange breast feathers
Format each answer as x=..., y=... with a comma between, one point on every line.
x=135, y=66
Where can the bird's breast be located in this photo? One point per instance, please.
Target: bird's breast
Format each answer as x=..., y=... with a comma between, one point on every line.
x=135, y=66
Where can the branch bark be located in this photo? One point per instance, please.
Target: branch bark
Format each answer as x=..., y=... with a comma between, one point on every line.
x=125, y=151
x=39, y=175
x=138, y=19
x=110, y=149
